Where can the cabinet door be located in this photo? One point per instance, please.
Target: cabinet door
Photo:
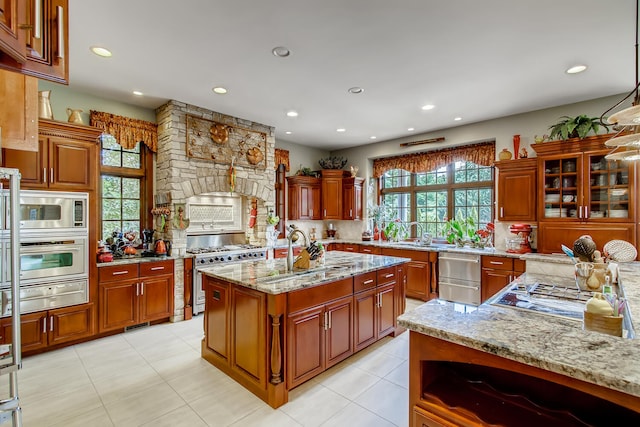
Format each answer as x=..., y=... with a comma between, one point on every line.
x=71, y=165
x=293, y=202
x=71, y=323
x=561, y=187
x=156, y=298
x=339, y=331
x=31, y=164
x=305, y=350
x=418, y=275
x=386, y=310
x=118, y=305
x=249, y=332
x=608, y=194
x=18, y=111
x=315, y=202
x=332, y=198
x=493, y=281
x=217, y=328
x=13, y=38
x=365, y=327
x=352, y=198
x=517, y=195
x=551, y=235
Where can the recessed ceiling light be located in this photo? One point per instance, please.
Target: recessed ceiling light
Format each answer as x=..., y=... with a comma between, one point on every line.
x=137, y=93
x=428, y=107
x=101, y=51
x=356, y=90
x=219, y=90
x=411, y=129
x=281, y=51
x=292, y=113
x=288, y=132
x=341, y=130
x=457, y=119
x=576, y=69
x=372, y=137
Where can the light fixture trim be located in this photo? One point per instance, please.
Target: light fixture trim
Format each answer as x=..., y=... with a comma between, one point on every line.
x=102, y=52
x=280, y=51
x=628, y=116
x=356, y=90
x=628, y=155
x=632, y=140
x=220, y=90
x=292, y=113
x=578, y=68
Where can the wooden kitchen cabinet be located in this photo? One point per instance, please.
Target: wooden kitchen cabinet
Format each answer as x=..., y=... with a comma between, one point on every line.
x=332, y=193
x=580, y=192
x=36, y=41
x=66, y=158
x=304, y=198
x=135, y=293
x=43, y=329
x=374, y=305
x=421, y=272
x=370, y=249
x=498, y=272
x=352, y=198
x=517, y=189
x=18, y=111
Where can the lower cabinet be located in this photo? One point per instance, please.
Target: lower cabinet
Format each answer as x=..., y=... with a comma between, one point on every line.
x=319, y=337
x=498, y=272
x=46, y=328
x=420, y=272
x=135, y=293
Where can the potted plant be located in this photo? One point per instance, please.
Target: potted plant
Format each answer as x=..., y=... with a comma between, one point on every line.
x=395, y=230
x=461, y=230
x=575, y=127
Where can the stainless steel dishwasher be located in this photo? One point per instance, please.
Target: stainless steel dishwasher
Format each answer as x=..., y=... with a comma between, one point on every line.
x=459, y=277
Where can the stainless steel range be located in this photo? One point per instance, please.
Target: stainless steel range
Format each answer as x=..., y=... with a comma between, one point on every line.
x=215, y=249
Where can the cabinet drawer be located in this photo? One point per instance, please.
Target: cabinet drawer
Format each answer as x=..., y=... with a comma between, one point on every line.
x=156, y=268
x=366, y=249
x=321, y=294
x=118, y=272
x=519, y=266
x=497, y=262
x=350, y=247
x=386, y=275
x=364, y=281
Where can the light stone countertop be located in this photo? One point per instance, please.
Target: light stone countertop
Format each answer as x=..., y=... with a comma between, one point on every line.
x=138, y=260
x=271, y=276
x=551, y=343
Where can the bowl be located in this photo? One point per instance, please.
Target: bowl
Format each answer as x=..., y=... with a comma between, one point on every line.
x=332, y=162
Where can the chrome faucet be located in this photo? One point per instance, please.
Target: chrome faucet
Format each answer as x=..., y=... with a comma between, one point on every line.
x=292, y=231
x=421, y=236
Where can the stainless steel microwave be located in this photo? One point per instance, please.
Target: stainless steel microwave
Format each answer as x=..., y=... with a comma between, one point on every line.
x=52, y=210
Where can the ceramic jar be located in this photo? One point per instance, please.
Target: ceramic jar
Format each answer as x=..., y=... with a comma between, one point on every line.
x=505, y=154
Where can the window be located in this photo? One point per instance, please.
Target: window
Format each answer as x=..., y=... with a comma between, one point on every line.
x=123, y=186
x=460, y=188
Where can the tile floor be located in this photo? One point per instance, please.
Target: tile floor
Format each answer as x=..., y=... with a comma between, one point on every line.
x=154, y=376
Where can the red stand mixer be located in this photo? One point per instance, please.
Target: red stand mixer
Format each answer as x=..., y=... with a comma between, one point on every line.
x=519, y=245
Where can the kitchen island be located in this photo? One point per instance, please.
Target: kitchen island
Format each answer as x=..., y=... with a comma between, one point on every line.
x=495, y=364
x=271, y=330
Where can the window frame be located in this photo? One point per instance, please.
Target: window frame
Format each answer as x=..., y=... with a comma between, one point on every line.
x=451, y=186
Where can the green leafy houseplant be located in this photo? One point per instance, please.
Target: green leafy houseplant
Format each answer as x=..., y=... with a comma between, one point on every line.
x=395, y=230
x=461, y=229
x=575, y=127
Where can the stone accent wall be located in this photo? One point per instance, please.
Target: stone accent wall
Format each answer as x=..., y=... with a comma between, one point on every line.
x=183, y=177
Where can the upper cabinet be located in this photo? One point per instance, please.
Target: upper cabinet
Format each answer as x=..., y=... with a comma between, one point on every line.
x=352, y=198
x=581, y=192
x=517, y=189
x=303, y=197
x=34, y=38
x=332, y=193
x=18, y=111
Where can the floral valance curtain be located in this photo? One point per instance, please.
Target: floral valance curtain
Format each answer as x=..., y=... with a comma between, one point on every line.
x=282, y=158
x=482, y=154
x=128, y=132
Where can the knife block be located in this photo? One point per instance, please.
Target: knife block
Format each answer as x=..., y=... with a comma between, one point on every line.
x=610, y=325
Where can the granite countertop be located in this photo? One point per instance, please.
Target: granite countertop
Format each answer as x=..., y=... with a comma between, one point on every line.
x=271, y=276
x=551, y=343
x=138, y=260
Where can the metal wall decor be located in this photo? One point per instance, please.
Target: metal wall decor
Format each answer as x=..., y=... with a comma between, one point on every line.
x=220, y=143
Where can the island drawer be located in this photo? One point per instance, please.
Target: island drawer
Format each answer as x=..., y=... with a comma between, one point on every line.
x=365, y=281
x=386, y=275
x=318, y=295
x=118, y=272
x=156, y=268
x=497, y=262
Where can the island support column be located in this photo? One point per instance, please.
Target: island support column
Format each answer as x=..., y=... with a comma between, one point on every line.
x=277, y=393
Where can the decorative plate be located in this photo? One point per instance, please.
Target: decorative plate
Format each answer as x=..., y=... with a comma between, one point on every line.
x=620, y=251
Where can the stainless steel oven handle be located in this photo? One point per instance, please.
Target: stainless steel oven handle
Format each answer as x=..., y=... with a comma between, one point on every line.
x=24, y=250
x=474, y=261
x=476, y=288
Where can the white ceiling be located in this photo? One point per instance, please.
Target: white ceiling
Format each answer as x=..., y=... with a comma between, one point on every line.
x=474, y=59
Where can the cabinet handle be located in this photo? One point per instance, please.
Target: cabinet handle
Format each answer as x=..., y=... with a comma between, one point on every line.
x=142, y=288
x=117, y=273
x=38, y=13
x=366, y=282
x=329, y=320
x=60, y=32
x=501, y=211
x=380, y=298
x=44, y=326
x=157, y=268
x=137, y=289
x=586, y=211
x=325, y=321
x=44, y=174
x=496, y=262
x=325, y=212
x=51, y=324
x=388, y=275
x=580, y=212
x=51, y=176
x=350, y=212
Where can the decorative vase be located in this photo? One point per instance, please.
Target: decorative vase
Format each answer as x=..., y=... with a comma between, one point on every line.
x=516, y=146
x=505, y=154
x=44, y=105
x=74, y=116
x=460, y=243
